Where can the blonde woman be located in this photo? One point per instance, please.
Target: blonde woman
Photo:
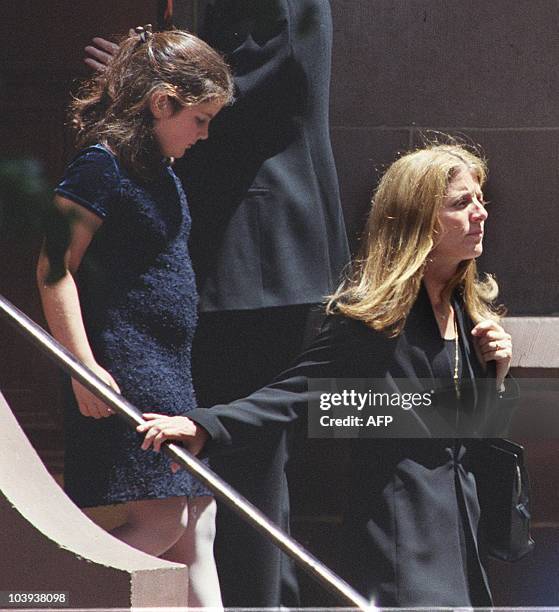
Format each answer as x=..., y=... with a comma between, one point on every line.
x=413, y=309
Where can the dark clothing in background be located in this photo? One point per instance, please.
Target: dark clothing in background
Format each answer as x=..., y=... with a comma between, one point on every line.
x=267, y=228
x=244, y=351
x=268, y=241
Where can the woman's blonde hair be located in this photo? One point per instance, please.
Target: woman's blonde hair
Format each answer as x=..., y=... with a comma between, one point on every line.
x=113, y=107
x=400, y=233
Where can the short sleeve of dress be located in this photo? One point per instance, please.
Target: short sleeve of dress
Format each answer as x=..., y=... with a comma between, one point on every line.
x=92, y=180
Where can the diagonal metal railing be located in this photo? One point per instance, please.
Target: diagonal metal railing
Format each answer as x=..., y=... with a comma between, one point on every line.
x=125, y=410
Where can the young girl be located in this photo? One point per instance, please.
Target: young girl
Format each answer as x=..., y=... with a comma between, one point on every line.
x=126, y=301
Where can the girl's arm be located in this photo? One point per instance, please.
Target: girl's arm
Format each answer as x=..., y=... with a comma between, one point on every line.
x=61, y=302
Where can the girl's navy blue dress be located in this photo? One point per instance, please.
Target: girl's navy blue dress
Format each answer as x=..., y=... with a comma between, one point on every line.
x=138, y=297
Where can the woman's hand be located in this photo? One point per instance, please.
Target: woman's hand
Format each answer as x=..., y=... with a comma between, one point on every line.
x=90, y=405
x=494, y=344
x=160, y=427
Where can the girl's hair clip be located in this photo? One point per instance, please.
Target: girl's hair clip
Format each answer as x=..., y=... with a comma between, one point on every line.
x=144, y=32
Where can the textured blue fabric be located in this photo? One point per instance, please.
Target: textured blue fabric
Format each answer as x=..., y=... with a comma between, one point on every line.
x=93, y=180
x=139, y=303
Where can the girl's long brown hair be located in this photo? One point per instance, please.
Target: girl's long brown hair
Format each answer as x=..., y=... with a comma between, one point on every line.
x=113, y=106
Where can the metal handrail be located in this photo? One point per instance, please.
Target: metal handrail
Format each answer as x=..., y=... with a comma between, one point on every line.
x=124, y=409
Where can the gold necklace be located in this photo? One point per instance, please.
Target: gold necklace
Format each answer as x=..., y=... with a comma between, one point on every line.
x=456, y=357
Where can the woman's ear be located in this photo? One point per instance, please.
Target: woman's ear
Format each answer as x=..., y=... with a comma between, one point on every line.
x=160, y=105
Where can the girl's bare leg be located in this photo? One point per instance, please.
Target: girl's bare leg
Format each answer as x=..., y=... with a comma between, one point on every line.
x=195, y=549
x=154, y=525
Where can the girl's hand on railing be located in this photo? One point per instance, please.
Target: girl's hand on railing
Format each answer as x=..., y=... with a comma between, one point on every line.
x=161, y=427
x=89, y=404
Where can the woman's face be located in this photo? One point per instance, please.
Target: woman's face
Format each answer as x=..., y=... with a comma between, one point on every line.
x=461, y=218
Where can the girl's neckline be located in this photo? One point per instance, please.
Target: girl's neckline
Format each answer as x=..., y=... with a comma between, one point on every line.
x=164, y=168
x=105, y=147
